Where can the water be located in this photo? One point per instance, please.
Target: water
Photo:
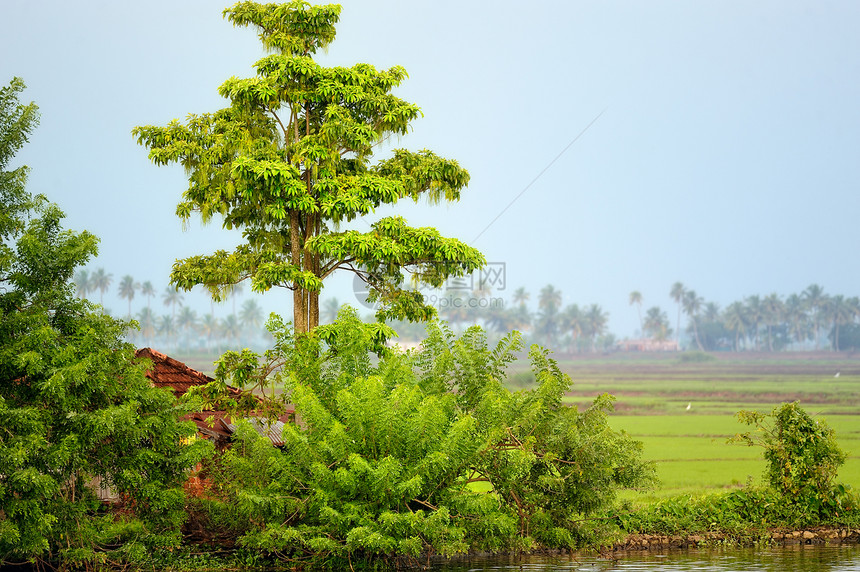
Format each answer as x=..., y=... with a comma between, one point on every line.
x=812, y=558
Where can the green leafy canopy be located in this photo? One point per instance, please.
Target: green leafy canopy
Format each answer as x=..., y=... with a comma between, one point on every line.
x=291, y=161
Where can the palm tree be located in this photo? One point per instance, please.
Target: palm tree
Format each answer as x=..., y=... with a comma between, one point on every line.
x=774, y=312
x=83, y=283
x=166, y=327
x=147, y=290
x=797, y=318
x=521, y=296
x=735, y=319
x=754, y=316
x=572, y=321
x=549, y=303
x=595, y=320
x=146, y=318
x=329, y=311
x=127, y=288
x=230, y=328
x=636, y=298
x=815, y=299
x=251, y=316
x=187, y=322
x=209, y=326
x=656, y=324
x=101, y=281
x=840, y=312
x=234, y=292
x=677, y=294
x=172, y=297
x=692, y=305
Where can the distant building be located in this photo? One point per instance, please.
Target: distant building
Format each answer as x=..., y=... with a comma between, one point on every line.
x=647, y=345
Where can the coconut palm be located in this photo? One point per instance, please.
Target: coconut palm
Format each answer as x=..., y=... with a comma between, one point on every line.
x=251, y=317
x=656, y=324
x=127, y=288
x=83, y=283
x=773, y=315
x=231, y=328
x=595, y=323
x=186, y=322
x=101, y=281
x=692, y=304
x=146, y=319
x=636, y=298
x=147, y=290
x=572, y=321
x=735, y=320
x=210, y=327
x=521, y=296
x=815, y=299
x=172, y=297
x=329, y=311
x=839, y=312
x=677, y=294
x=547, y=324
x=166, y=327
x=797, y=318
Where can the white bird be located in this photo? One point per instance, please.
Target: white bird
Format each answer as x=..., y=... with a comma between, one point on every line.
x=689, y=406
x=837, y=374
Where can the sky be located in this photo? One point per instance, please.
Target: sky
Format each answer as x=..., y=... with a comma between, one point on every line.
x=613, y=146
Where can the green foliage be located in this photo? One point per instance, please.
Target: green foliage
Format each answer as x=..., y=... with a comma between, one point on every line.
x=417, y=452
x=289, y=162
x=740, y=513
x=801, y=452
x=73, y=405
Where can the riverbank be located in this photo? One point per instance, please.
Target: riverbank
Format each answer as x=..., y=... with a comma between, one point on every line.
x=778, y=537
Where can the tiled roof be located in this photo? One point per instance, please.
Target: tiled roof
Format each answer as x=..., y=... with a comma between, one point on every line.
x=174, y=375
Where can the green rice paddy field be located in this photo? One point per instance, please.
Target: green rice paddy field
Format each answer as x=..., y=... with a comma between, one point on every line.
x=684, y=413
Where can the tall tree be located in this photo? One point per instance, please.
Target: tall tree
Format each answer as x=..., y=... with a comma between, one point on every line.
x=677, y=294
x=755, y=315
x=798, y=319
x=692, y=304
x=101, y=281
x=595, y=321
x=289, y=162
x=83, y=283
x=656, y=324
x=735, y=318
x=147, y=290
x=774, y=313
x=547, y=323
x=573, y=322
x=127, y=289
x=815, y=299
x=172, y=297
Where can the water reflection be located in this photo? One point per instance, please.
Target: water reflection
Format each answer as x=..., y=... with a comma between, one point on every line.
x=789, y=559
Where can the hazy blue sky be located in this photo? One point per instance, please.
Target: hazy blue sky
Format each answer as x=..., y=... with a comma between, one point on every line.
x=727, y=156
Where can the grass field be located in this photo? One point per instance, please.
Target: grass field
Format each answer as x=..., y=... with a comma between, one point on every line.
x=685, y=413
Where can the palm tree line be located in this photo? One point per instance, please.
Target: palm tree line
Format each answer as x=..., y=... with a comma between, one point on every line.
x=807, y=320
x=571, y=328
x=180, y=328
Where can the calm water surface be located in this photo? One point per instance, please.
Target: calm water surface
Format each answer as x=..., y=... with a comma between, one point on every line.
x=788, y=559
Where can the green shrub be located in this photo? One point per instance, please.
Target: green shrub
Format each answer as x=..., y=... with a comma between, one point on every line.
x=418, y=452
